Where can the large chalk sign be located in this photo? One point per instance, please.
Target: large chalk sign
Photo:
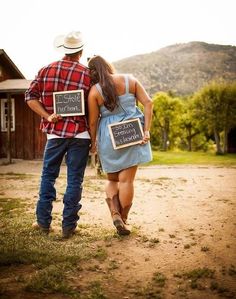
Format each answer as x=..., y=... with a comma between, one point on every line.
x=69, y=103
x=126, y=133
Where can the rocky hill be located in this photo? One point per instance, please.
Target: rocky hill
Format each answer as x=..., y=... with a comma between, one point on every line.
x=181, y=68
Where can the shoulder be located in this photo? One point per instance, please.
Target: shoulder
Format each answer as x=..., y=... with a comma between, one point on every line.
x=93, y=91
x=131, y=78
x=132, y=82
x=121, y=77
x=94, y=96
x=83, y=68
x=47, y=67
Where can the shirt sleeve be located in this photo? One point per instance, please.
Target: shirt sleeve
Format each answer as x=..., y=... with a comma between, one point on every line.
x=33, y=92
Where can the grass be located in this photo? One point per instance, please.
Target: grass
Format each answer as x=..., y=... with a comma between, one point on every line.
x=204, y=279
x=159, y=279
x=96, y=291
x=153, y=289
x=54, y=261
x=15, y=176
x=192, y=158
x=10, y=205
x=47, y=264
x=194, y=277
x=50, y=279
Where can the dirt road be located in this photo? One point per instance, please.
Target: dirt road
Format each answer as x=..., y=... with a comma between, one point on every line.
x=183, y=220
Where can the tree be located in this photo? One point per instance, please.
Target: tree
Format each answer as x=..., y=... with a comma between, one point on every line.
x=215, y=108
x=165, y=115
x=188, y=123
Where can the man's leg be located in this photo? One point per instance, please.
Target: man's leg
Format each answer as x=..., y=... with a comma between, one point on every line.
x=76, y=160
x=53, y=156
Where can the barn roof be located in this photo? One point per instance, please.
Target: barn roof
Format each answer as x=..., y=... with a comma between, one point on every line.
x=5, y=58
x=14, y=85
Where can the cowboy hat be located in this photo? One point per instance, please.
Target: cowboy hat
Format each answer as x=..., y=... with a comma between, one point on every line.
x=69, y=43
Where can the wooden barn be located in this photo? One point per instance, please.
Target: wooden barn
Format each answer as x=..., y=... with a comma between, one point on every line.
x=20, y=138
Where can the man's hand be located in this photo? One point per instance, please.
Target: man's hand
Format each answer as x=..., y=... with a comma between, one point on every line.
x=53, y=118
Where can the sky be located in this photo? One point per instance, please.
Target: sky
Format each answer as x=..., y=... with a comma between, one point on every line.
x=114, y=29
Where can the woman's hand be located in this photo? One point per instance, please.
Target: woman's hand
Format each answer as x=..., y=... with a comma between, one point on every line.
x=146, y=137
x=93, y=148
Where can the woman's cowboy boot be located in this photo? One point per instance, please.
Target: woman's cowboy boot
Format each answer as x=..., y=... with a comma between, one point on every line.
x=116, y=217
x=125, y=212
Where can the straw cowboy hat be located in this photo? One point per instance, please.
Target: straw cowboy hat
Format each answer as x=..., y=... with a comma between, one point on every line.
x=69, y=43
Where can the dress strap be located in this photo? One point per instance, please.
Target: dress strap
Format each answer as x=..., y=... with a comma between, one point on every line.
x=126, y=83
x=99, y=89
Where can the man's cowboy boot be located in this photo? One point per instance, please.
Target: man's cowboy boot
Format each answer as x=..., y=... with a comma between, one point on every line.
x=116, y=217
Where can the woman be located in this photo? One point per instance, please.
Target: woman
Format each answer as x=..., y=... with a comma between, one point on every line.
x=113, y=99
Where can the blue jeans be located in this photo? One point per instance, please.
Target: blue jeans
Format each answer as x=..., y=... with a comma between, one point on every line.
x=75, y=151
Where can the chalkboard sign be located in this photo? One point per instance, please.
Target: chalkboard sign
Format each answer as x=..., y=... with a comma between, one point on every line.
x=126, y=133
x=69, y=103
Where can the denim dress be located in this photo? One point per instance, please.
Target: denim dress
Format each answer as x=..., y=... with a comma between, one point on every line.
x=114, y=160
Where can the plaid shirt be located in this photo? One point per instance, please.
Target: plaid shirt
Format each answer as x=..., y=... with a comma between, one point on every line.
x=61, y=75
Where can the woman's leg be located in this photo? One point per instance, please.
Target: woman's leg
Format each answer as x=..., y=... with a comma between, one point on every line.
x=112, y=184
x=114, y=204
x=126, y=190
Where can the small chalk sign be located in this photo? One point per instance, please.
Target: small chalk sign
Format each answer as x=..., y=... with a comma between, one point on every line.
x=69, y=103
x=126, y=133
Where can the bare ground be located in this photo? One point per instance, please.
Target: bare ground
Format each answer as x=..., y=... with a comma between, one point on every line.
x=183, y=219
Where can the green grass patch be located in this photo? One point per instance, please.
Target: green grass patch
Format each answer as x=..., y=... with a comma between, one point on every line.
x=50, y=280
x=200, y=158
x=159, y=279
x=153, y=289
x=199, y=273
x=21, y=245
x=196, y=275
x=54, y=259
x=149, y=242
x=10, y=206
x=15, y=176
x=95, y=291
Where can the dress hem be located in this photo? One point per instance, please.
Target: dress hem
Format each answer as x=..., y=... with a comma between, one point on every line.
x=135, y=164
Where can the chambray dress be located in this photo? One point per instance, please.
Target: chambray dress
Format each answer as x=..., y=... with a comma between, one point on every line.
x=116, y=160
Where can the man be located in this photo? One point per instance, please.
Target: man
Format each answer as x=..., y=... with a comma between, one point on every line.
x=66, y=136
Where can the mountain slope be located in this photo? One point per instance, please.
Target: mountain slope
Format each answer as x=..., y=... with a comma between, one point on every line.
x=182, y=68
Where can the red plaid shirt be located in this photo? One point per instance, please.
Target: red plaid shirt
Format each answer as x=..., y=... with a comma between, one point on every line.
x=61, y=75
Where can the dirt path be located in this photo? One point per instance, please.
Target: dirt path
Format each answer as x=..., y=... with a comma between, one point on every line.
x=183, y=219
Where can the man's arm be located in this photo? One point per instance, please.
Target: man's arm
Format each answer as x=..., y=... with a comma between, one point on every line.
x=38, y=108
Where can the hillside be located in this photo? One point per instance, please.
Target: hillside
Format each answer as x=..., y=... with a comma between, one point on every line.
x=182, y=68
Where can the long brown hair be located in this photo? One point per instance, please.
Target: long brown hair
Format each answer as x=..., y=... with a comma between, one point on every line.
x=101, y=72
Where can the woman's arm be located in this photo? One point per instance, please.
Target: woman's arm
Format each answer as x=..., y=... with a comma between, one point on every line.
x=146, y=101
x=93, y=110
